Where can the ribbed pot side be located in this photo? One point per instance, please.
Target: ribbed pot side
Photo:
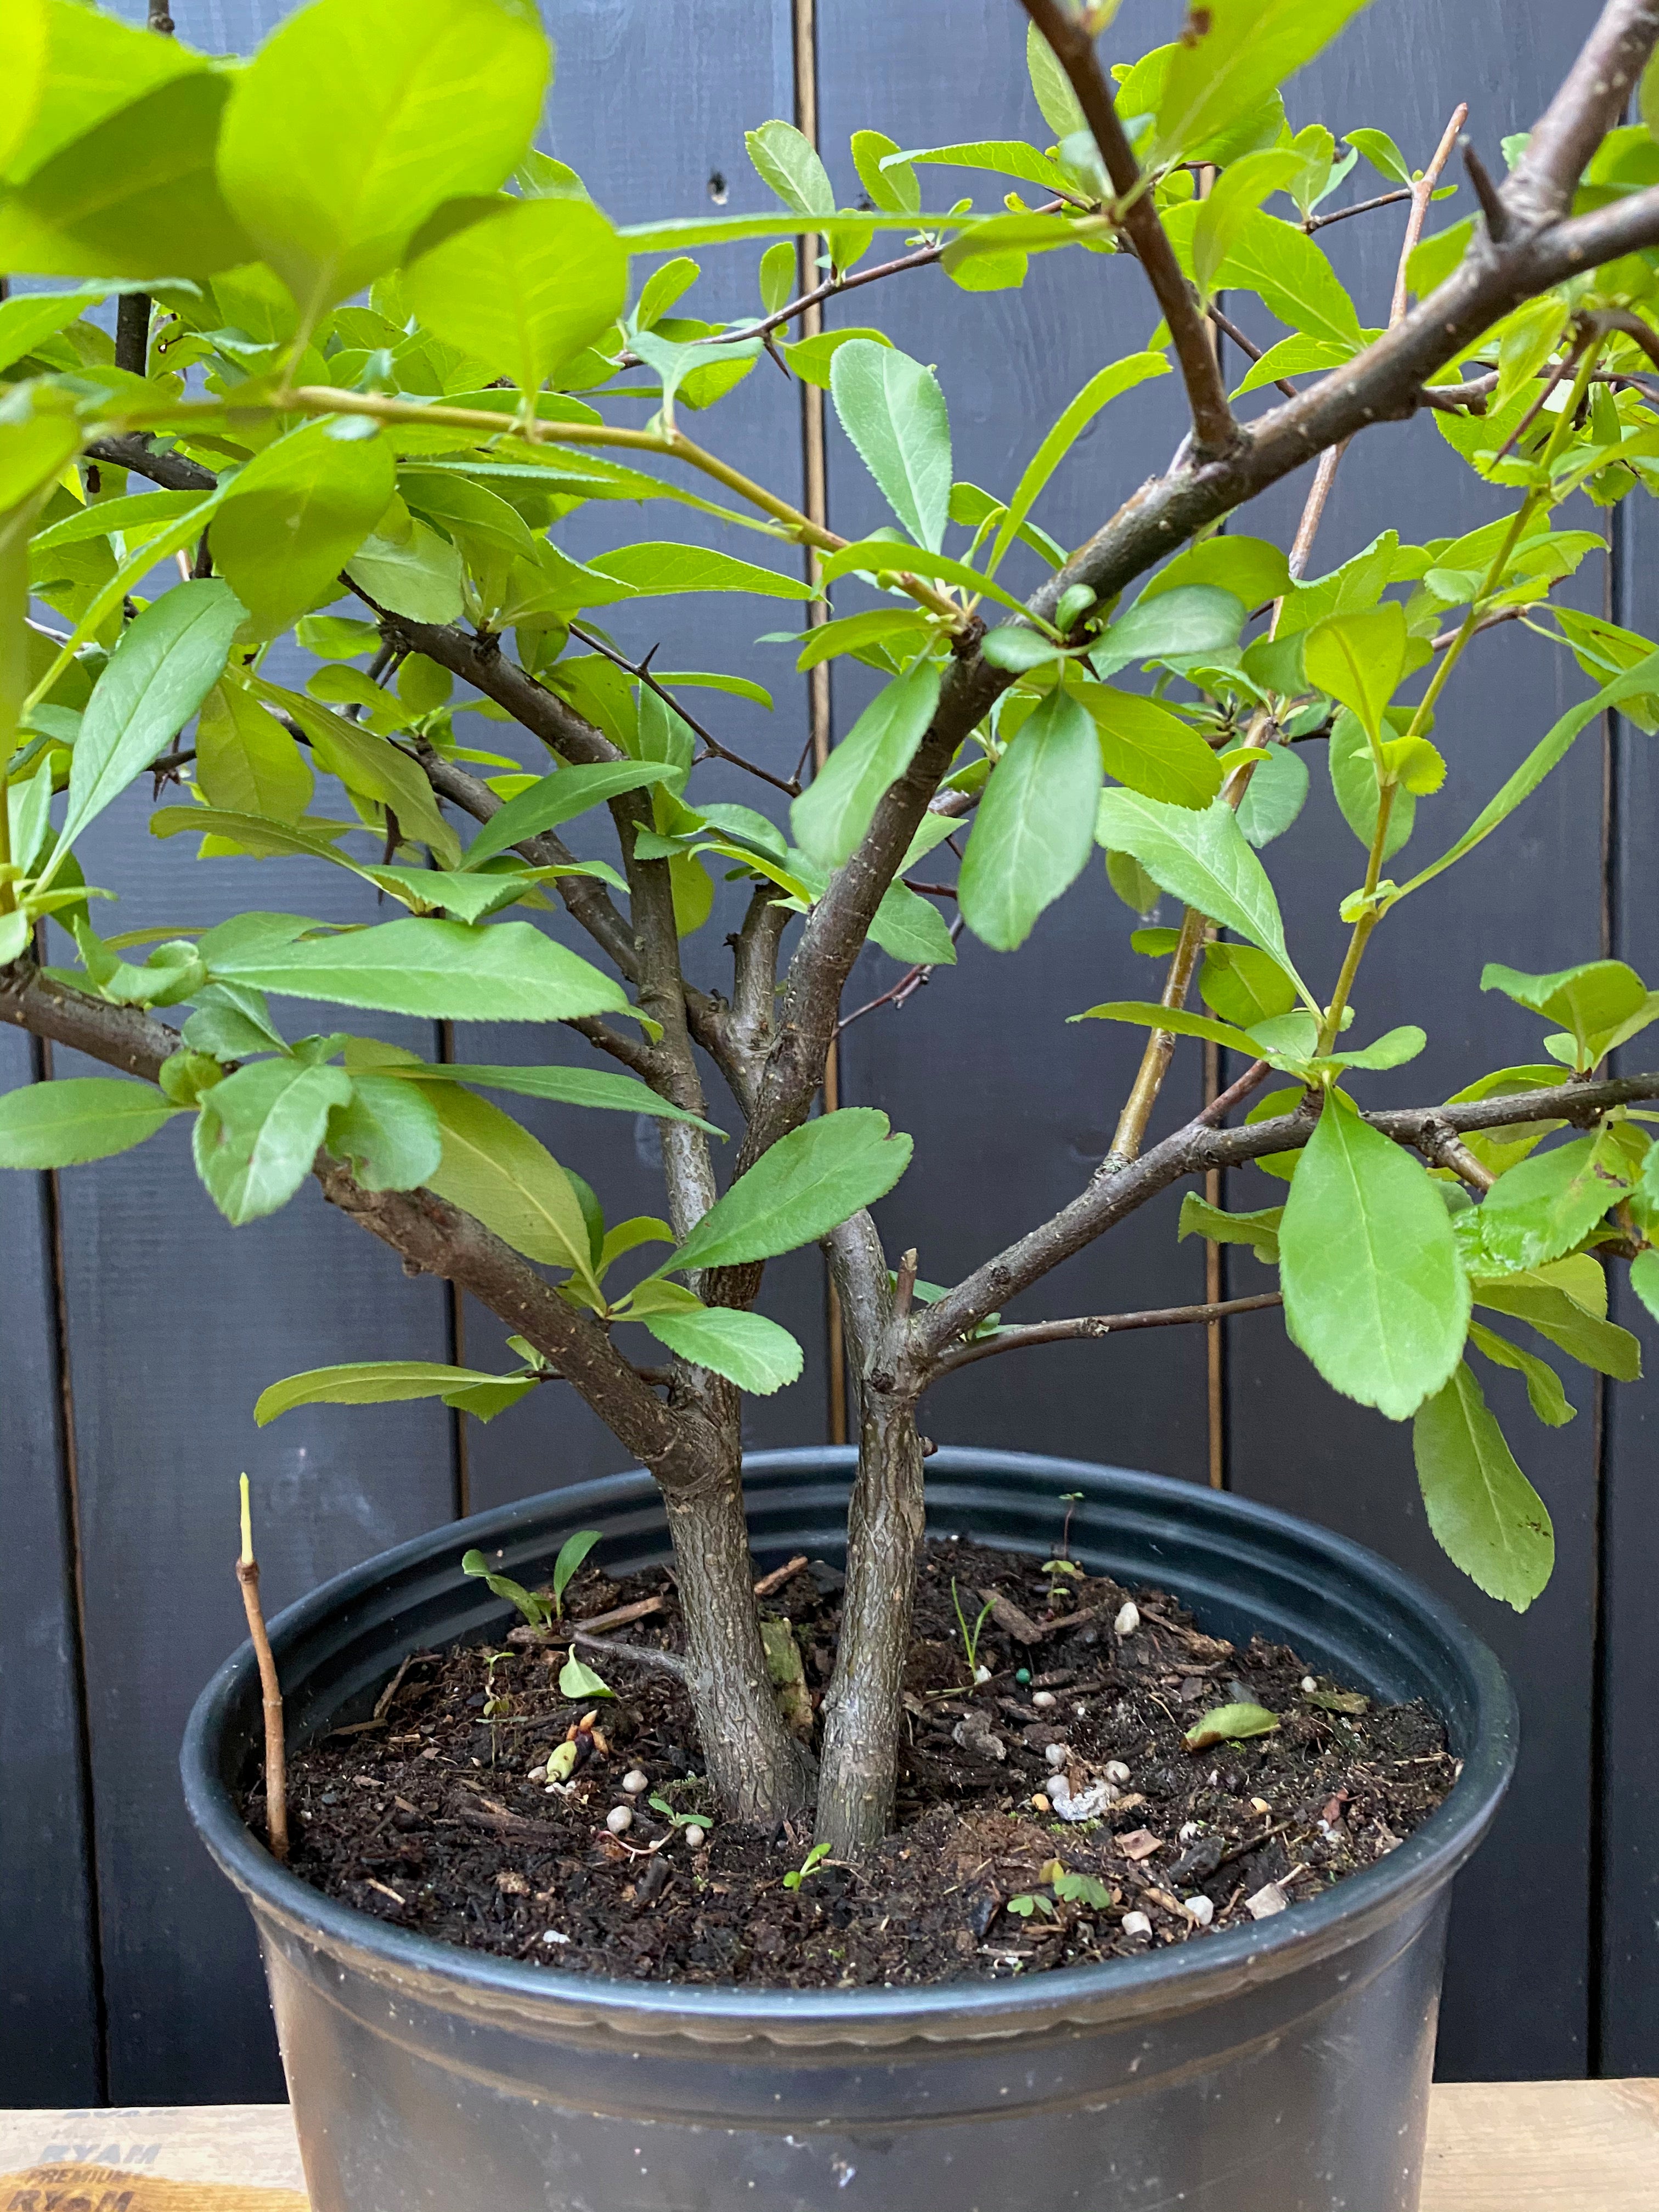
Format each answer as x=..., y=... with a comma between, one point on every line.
x=1280, y=2068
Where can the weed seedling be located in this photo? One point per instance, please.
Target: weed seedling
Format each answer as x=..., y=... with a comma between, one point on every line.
x=970, y=1636
x=814, y=1859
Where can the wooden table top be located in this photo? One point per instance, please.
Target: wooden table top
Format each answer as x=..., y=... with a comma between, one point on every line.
x=1493, y=2147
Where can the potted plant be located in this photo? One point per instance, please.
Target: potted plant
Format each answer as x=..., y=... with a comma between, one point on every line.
x=369, y=356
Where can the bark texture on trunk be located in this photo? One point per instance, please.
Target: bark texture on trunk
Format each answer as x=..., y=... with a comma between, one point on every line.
x=864, y=1710
x=759, y=1771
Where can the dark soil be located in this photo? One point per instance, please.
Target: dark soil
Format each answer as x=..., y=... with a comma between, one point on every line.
x=428, y=1816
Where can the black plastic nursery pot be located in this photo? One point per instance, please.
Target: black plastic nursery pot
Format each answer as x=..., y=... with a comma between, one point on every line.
x=1280, y=2068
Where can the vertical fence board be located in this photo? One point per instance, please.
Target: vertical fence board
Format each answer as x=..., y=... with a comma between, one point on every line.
x=174, y=1325
x=1530, y=898
x=49, y=2038
x=1628, y=1959
x=624, y=87
x=1012, y=1110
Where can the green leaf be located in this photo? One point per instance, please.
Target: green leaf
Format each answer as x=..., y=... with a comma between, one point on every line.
x=1549, y=749
x=257, y=1132
x=1598, y=1002
x=573, y=1550
x=522, y=284
x=1352, y=766
x=787, y=160
x=1543, y=1206
x=1486, y=1516
x=1359, y=658
x=23, y=47
x=1031, y=837
x=77, y=1118
x=567, y=1086
x=893, y=189
x=245, y=761
x=381, y=1382
x=1546, y=1299
x=911, y=928
x=1175, y=1021
x=1290, y=275
x=1375, y=1294
x=560, y=797
x=1392, y=1050
x=357, y=117
x=655, y=572
x=1051, y=87
x=812, y=358
x=497, y=1170
x=164, y=666
x=27, y=322
x=1230, y=1724
x=534, y=1607
x=1380, y=150
x=808, y=1184
x=1253, y=570
x=1203, y=860
x=1153, y=752
x=1004, y=157
x=749, y=1349
x=436, y=970
x=387, y=1134
x=1232, y=199
x=134, y=195
x=292, y=518
x=832, y=814
x=1231, y=55
x=1274, y=797
x=368, y=763
x=1244, y=985
x=894, y=412
x=578, y=1682
x=883, y=556
x=1259, y=1229
x=1119, y=377
x=412, y=571
x=1544, y=1392
x=1179, y=620
x=1645, y=1279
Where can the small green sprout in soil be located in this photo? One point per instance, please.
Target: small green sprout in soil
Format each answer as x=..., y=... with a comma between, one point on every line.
x=970, y=1636
x=797, y=1875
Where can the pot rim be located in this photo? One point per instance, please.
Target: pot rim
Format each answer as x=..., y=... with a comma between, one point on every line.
x=1177, y=1978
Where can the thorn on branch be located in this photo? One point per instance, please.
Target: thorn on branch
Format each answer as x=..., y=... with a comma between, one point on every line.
x=1498, y=225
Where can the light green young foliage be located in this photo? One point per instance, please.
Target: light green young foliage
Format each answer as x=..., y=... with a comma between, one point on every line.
x=523, y=285
x=387, y=144
x=352, y=124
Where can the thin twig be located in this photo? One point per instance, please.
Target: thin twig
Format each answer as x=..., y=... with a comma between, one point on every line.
x=641, y=669
x=247, y=1575
x=1314, y=222
x=670, y=1663
x=907, y=986
x=1014, y=1338
x=1072, y=44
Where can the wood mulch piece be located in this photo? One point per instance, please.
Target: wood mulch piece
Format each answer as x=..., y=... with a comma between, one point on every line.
x=428, y=1818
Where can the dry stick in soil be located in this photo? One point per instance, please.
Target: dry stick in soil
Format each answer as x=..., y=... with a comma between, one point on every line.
x=247, y=1574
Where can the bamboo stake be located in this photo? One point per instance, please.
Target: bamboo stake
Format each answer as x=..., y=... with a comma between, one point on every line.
x=247, y=1574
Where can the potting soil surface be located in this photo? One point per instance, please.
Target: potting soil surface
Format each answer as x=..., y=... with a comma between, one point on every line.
x=436, y=1815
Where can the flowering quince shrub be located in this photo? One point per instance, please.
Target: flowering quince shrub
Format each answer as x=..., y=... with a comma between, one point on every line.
x=370, y=351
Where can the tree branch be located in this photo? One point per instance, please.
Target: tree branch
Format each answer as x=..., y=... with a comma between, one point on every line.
x=1589, y=103
x=1214, y=429
x=431, y=1235
x=1012, y=1338
x=1195, y=1149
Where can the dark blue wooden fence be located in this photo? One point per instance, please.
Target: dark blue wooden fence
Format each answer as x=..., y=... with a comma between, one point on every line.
x=135, y=1330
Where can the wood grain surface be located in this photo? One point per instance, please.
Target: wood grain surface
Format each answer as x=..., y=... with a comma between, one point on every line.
x=1493, y=2147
